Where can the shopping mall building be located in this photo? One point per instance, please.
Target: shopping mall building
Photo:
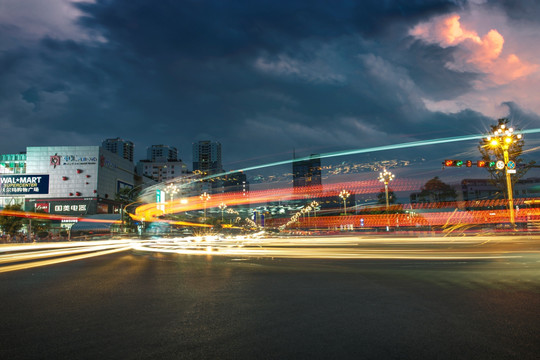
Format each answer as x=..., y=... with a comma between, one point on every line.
x=68, y=180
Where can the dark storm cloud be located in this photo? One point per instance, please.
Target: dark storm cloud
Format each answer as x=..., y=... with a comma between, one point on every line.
x=519, y=10
x=261, y=77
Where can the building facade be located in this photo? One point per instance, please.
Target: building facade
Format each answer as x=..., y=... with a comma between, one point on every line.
x=307, y=172
x=73, y=180
x=13, y=163
x=161, y=169
x=207, y=157
x=123, y=148
x=154, y=152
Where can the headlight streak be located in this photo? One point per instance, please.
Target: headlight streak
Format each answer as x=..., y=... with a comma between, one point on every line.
x=66, y=256
x=329, y=248
x=434, y=248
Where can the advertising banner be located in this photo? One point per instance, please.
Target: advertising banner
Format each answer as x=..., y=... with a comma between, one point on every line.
x=23, y=184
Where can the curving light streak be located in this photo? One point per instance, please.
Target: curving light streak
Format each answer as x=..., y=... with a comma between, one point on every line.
x=411, y=144
x=151, y=212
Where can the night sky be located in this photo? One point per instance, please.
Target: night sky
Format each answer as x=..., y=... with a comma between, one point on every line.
x=266, y=77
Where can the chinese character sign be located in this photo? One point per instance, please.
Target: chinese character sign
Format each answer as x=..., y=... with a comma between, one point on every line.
x=24, y=184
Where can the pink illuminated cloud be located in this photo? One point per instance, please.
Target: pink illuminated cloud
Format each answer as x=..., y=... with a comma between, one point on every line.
x=474, y=52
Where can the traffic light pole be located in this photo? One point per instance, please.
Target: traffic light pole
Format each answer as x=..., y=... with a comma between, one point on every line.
x=509, y=189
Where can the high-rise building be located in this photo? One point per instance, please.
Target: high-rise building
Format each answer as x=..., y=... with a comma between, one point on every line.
x=207, y=157
x=167, y=152
x=162, y=169
x=123, y=148
x=307, y=172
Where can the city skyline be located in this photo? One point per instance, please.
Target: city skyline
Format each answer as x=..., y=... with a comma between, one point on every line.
x=266, y=78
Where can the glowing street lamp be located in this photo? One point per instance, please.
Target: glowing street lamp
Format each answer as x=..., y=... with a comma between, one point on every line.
x=171, y=189
x=504, y=137
x=222, y=207
x=314, y=205
x=386, y=177
x=344, y=194
x=205, y=197
x=232, y=211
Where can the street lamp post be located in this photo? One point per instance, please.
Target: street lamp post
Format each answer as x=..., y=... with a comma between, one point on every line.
x=314, y=205
x=171, y=189
x=386, y=177
x=504, y=137
x=232, y=212
x=222, y=207
x=344, y=194
x=205, y=197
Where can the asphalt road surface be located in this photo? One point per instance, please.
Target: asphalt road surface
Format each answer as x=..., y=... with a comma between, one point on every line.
x=138, y=304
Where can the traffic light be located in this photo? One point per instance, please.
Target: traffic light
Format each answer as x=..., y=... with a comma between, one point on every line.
x=453, y=163
x=468, y=163
x=481, y=163
x=492, y=164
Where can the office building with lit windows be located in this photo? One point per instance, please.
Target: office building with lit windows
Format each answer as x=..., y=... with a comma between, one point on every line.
x=207, y=157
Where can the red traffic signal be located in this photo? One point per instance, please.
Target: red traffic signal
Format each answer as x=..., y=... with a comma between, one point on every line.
x=468, y=163
x=481, y=163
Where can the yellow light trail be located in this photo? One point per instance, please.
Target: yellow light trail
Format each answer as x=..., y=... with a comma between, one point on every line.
x=433, y=248
x=29, y=257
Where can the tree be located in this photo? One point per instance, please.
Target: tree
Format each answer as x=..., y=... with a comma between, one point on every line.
x=40, y=224
x=381, y=197
x=495, y=153
x=11, y=224
x=127, y=196
x=436, y=191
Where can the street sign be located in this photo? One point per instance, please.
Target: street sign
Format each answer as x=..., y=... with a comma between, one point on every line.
x=511, y=171
x=500, y=165
x=511, y=165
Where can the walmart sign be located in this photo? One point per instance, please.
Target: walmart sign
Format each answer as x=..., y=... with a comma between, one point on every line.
x=24, y=184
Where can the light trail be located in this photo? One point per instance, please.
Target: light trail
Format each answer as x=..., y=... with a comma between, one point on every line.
x=433, y=248
x=338, y=247
x=32, y=255
x=411, y=144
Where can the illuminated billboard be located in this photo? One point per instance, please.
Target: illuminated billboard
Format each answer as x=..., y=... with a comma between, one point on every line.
x=24, y=184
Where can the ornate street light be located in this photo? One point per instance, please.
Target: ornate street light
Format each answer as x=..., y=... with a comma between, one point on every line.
x=314, y=205
x=171, y=189
x=504, y=137
x=344, y=194
x=222, y=207
x=386, y=177
x=205, y=197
